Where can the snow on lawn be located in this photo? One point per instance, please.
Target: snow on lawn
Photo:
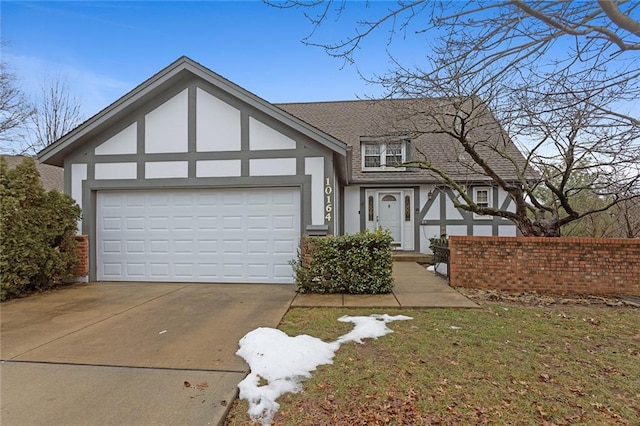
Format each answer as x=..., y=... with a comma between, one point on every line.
x=279, y=363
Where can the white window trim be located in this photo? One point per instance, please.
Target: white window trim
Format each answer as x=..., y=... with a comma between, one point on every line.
x=489, y=190
x=383, y=167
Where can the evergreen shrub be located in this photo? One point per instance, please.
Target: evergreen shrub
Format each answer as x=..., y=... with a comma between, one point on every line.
x=37, y=230
x=355, y=264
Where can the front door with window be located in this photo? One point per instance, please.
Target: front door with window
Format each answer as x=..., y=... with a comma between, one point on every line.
x=389, y=215
x=391, y=209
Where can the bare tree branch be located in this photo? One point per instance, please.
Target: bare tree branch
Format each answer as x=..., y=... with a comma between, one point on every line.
x=15, y=110
x=58, y=112
x=559, y=79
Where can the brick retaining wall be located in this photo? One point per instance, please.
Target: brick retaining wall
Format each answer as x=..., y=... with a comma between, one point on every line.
x=82, y=268
x=546, y=265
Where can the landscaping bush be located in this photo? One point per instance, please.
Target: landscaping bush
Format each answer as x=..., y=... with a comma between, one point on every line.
x=37, y=230
x=356, y=264
x=438, y=242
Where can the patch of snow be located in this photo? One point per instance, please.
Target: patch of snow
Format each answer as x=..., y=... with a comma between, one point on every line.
x=366, y=328
x=441, y=268
x=279, y=362
x=431, y=268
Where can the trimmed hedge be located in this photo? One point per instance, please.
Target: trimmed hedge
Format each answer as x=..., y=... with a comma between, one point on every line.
x=355, y=264
x=37, y=232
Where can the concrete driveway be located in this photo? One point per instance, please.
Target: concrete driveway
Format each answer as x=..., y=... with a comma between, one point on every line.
x=129, y=353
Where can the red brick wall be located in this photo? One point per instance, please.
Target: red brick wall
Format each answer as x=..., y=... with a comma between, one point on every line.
x=82, y=269
x=546, y=265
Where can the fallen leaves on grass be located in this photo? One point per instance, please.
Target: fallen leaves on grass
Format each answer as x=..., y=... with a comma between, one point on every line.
x=565, y=364
x=536, y=299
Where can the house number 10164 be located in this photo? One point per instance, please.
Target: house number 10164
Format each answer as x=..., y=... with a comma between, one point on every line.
x=328, y=205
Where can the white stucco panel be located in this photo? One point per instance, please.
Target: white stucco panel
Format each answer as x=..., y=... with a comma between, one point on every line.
x=452, y=212
x=115, y=171
x=166, y=169
x=272, y=167
x=351, y=209
x=507, y=231
x=456, y=230
x=314, y=166
x=123, y=142
x=483, y=230
x=434, y=210
x=502, y=196
x=427, y=232
x=78, y=175
x=263, y=137
x=217, y=124
x=218, y=168
x=166, y=126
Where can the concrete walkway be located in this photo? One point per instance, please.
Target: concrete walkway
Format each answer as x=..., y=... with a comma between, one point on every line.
x=414, y=287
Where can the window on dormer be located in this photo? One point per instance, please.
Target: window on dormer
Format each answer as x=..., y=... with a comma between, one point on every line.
x=482, y=198
x=380, y=156
x=372, y=155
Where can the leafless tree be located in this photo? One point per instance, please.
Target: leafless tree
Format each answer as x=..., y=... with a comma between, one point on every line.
x=560, y=79
x=15, y=110
x=628, y=219
x=57, y=113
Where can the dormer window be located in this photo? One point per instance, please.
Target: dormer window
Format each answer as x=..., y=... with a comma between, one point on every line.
x=383, y=155
x=482, y=198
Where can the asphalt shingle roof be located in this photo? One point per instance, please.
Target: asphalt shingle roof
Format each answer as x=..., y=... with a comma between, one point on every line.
x=52, y=177
x=349, y=121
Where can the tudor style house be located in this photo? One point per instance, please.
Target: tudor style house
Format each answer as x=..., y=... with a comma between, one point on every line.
x=192, y=178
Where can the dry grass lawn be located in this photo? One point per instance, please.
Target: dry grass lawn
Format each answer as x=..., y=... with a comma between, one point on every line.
x=501, y=364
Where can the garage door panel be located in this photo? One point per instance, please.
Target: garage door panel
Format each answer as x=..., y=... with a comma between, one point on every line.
x=208, y=247
x=258, y=270
x=135, y=223
x=285, y=223
x=136, y=270
x=183, y=246
x=281, y=271
x=198, y=235
x=258, y=247
x=111, y=223
x=159, y=269
x=112, y=269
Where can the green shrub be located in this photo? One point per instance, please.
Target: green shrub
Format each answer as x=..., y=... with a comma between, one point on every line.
x=438, y=242
x=356, y=264
x=37, y=230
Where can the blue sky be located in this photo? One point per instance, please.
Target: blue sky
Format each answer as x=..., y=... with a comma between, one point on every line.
x=104, y=49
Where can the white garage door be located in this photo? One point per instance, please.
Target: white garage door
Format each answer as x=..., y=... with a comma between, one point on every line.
x=230, y=235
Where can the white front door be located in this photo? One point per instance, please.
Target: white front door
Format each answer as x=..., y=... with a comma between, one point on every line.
x=389, y=215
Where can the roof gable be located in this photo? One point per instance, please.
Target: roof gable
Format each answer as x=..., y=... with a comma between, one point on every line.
x=182, y=69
